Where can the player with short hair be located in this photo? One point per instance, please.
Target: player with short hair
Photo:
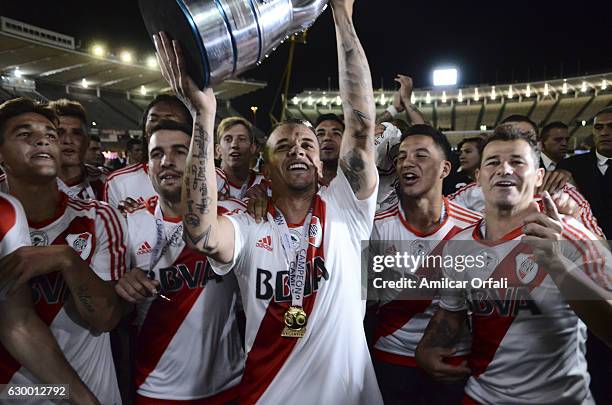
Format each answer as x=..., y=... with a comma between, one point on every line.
x=198, y=307
x=528, y=336
x=419, y=223
x=299, y=272
x=133, y=181
x=85, y=242
x=236, y=148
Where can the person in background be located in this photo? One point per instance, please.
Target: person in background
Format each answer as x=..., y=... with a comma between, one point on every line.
x=76, y=178
x=554, y=139
x=134, y=150
x=94, y=156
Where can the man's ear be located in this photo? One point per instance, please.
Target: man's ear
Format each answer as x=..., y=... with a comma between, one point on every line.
x=540, y=172
x=477, y=176
x=217, y=151
x=446, y=168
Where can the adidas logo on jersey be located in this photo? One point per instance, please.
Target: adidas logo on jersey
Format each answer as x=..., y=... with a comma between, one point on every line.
x=265, y=243
x=144, y=249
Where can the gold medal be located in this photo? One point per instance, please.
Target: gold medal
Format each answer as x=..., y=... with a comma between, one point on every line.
x=295, y=323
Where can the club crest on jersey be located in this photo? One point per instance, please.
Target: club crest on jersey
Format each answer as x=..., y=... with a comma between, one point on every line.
x=81, y=243
x=526, y=268
x=315, y=232
x=39, y=238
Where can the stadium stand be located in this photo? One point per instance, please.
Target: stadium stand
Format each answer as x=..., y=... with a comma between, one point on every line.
x=518, y=107
x=491, y=114
x=466, y=117
x=567, y=109
x=542, y=111
x=444, y=116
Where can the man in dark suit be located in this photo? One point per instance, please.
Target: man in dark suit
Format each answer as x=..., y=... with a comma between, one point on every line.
x=592, y=173
x=553, y=143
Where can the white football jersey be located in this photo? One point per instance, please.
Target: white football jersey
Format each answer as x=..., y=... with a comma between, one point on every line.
x=472, y=198
x=528, y=345
x=98, y=234
x=4, y=188
x=402, y=322
x=90, y=187
x=13, y=228
x=131, y=181
x=187, y=348
x=331, y=363
x=227, y=189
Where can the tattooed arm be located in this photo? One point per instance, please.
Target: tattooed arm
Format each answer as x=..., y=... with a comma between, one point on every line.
x=442, y=333
x=203, y=230
x=357, y=149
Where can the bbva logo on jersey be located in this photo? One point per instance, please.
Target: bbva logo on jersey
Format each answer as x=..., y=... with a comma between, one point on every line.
x=81, y=243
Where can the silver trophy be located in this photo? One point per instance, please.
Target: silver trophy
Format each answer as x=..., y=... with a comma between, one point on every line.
x=223, y=38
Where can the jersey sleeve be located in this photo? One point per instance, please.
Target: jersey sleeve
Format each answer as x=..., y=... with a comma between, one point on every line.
x=109, y=193
x=587, y=253
x=14, y=232
x=110, y=260
x=357, y=214
x=240, y=222
x=584, y=215
x=469, y=197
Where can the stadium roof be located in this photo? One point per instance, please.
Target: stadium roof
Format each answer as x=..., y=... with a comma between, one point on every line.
x=44, y=55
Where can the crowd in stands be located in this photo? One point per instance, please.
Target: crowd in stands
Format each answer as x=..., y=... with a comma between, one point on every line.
x=212, y=269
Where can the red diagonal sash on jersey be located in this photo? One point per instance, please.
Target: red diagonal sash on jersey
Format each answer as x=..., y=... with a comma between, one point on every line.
x=270, y=350
x=164, y=319
x=8, y=217
x=50, y=290
x=489, y=330
x=395, y=314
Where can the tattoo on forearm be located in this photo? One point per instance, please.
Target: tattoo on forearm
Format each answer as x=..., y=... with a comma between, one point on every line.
x=354, y=169
x=85, y=299
x=195, y=239
x=440, y=333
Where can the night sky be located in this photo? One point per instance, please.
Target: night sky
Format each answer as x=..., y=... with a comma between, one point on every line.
x=489, y=41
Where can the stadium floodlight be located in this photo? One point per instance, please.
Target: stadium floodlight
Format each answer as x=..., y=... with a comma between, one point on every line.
x=510, y=92
x=483, y=127
x=98, y=50
x=310, y=100
x=17, y=73
x=583, y=88
x=412, y=98
x=493, y=93
x=126, y=57
x=143, y=90
x=564, y=88
x=84, y=83
x=460, y=96
x=428, y=98
x=152, y=62
x=476, y=95
x=383, y=99
x=338, y=100
x=604, y=84
x=444, y=97
x=295, y=100
x=94, y=123
x=323, y=100
x=546, y=90
x=445, y=77
x=583, y=123
x=528, y=91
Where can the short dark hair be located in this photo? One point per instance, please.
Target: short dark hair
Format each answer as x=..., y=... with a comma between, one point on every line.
x=23, y=105
x=95, y=138
x=478, y=140
x=69, y=108
x=292, y=121
x=509, y=132
x=129, y=145
x=328, y=117
x=426, y=130
x=607, y=110
x=171, y=125
x=169, y=99
x=520, y=118
x=549, y=127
